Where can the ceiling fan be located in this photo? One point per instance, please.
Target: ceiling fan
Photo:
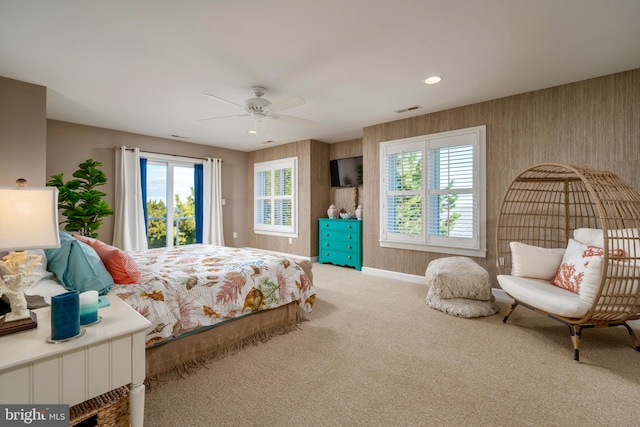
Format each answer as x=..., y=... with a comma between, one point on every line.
x=261, y=109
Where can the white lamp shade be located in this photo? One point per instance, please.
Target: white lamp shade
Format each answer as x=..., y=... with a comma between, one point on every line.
x=28, y=218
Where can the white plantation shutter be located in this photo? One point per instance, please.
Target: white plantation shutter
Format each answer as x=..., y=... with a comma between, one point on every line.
x=404, y=191
x=451, y=191
x=283, y=197
x=432, y=192
x=263, y=197
x=275, y=191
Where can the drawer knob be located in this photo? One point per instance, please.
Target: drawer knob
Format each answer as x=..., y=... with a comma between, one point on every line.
x=349, y=247
x=326, y=244
x=349, y=257
x=348, y=237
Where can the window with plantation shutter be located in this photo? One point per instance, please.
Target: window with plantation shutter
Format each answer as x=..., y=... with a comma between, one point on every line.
x=432, y=192
x=275, y=203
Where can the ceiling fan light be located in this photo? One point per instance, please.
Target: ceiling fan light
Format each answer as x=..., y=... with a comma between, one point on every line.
x=261, y=126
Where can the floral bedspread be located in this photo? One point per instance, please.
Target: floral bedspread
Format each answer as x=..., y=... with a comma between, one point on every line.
x=194, y=286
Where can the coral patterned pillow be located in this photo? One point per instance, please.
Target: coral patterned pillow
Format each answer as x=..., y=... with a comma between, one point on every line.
x=120, y=265
x=575, y=263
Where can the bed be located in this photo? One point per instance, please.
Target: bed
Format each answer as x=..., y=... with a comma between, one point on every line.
x=203, y=301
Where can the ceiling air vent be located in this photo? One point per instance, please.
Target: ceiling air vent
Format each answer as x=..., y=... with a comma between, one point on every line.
x=178, y=136
x=404, y=110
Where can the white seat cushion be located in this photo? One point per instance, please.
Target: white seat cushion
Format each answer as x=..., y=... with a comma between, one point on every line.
x=543, y=295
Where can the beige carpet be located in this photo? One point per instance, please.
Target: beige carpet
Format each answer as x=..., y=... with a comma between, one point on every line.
x=373, y=354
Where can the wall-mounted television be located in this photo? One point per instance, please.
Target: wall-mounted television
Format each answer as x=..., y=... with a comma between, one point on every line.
x=346, y=172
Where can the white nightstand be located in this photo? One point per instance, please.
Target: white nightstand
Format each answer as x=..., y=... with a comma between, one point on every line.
x=110, y=355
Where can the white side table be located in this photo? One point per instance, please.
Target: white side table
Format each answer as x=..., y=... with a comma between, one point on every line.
x=110, y=355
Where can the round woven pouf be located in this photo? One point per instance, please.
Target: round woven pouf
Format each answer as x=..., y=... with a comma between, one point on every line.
x=460, y=287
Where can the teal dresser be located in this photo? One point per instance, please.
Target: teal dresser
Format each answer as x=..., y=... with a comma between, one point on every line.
x=341, y=242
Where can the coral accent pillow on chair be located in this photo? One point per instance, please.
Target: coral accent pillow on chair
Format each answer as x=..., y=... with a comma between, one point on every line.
x=120, y=265
x=575, y=264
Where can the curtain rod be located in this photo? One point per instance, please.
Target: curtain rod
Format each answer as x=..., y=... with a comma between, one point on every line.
x=165, y=154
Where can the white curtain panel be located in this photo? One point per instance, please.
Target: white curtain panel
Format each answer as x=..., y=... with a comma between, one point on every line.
x=129, y=232
x=212, y=232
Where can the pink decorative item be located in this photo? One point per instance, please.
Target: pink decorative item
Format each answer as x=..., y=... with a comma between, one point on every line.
x=332, y=212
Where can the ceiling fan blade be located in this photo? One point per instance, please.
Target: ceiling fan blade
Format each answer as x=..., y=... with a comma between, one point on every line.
x=224, y=117
x=293, y=120
x=285, y=104
x=222, y=99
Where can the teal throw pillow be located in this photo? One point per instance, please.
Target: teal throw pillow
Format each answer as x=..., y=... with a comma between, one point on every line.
x=78, y=267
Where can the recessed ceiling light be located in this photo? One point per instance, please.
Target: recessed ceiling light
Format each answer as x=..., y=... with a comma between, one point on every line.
x=431, y=80
x=251, y=132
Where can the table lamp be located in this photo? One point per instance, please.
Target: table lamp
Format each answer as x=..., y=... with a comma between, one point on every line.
x=28, y=220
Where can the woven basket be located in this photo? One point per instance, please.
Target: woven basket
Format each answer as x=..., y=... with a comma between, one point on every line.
x=108, y=410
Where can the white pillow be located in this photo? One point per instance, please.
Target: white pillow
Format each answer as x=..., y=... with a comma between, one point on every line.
x=622, y=239
x=591, y=280
x=580, y=268
x=622, y=269
x=46, y=289
x=41, y=269
x=535, y=262
x=589, y=236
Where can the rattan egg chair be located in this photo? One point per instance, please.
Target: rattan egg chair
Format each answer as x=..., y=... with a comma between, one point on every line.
x=543, y=206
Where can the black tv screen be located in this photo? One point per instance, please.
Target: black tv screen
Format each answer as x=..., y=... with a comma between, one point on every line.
x=346, y=172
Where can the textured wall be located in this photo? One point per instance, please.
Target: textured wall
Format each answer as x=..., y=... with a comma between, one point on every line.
x=23, y=132
x=347, y=198
x=313, y=195
x=594, y=122
x=70, y=144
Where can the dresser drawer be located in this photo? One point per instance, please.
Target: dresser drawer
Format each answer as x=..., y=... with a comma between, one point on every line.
x=341, y=246
x=340, y=236
x=341, y=258
x=340, y=225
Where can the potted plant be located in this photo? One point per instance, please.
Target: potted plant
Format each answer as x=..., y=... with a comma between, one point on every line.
x=78, y=200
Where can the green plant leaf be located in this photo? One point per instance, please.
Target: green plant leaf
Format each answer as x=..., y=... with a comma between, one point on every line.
x=79, y=202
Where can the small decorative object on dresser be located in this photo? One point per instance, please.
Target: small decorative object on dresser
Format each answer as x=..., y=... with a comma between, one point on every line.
x=65, y=317
x=332, y=212
x=346, y=215
x=359, y=212
x=341, y=242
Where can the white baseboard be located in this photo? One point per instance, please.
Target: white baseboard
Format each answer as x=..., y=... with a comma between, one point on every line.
x=394, y=275
x=498, y=293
